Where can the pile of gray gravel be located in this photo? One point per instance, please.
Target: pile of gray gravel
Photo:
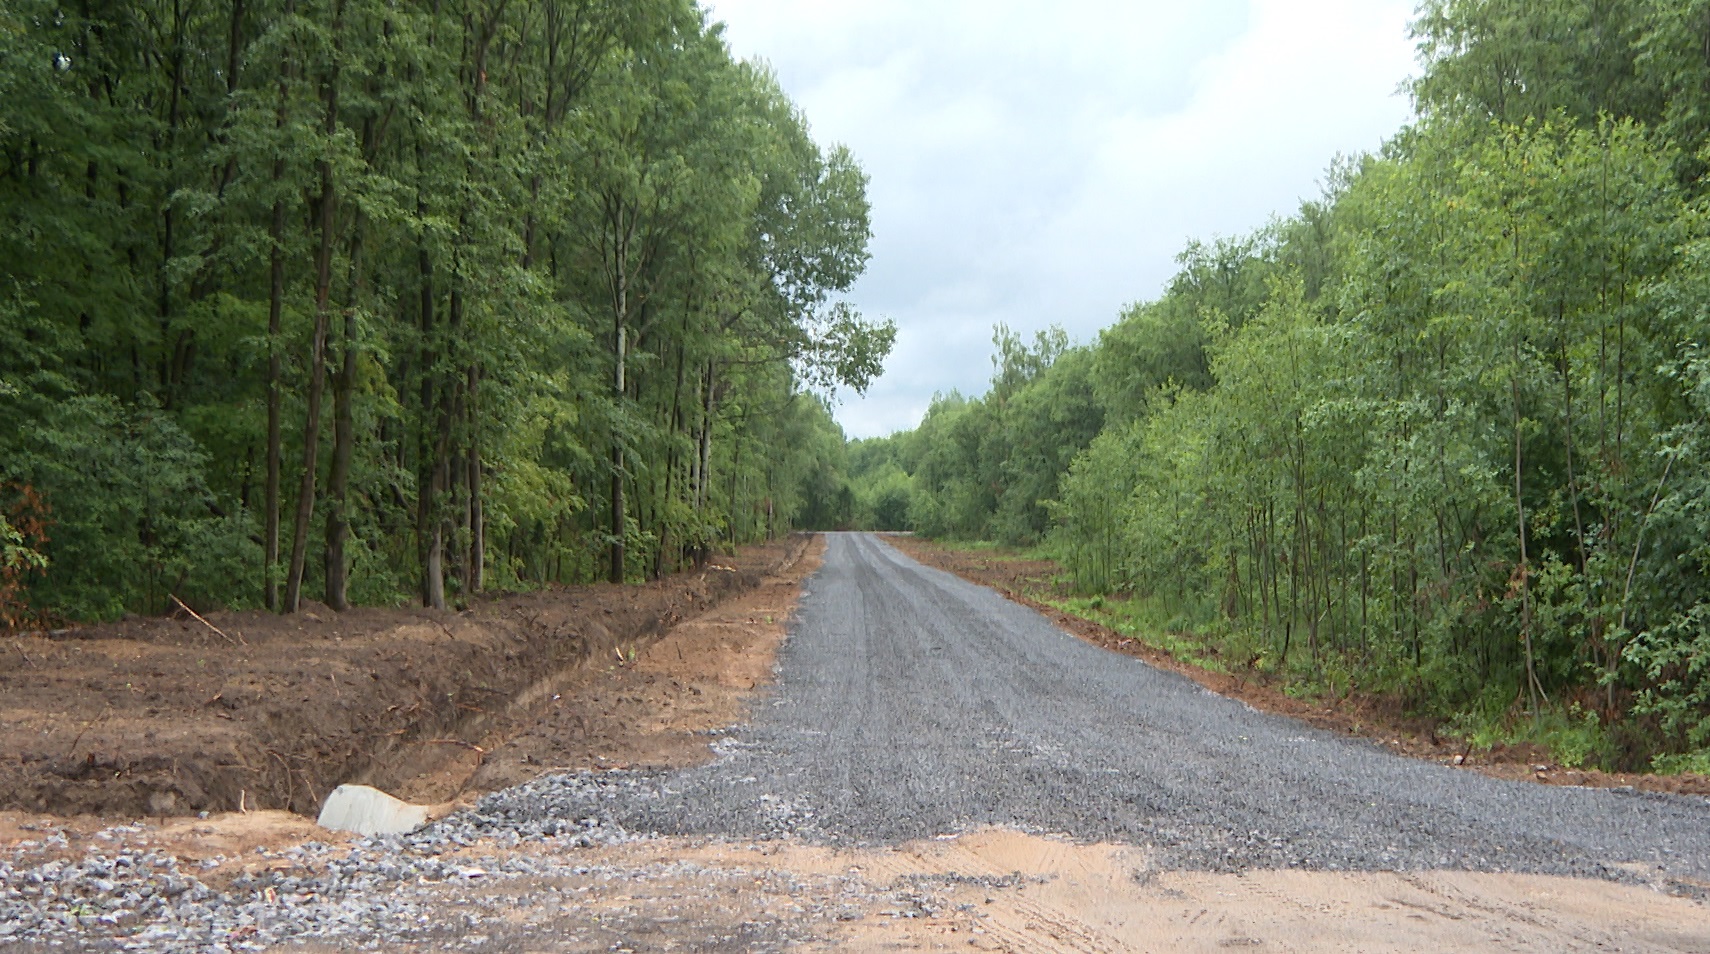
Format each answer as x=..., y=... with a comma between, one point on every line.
x=128, y=898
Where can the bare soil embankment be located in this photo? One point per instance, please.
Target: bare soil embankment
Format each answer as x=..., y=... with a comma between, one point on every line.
x=164, y=717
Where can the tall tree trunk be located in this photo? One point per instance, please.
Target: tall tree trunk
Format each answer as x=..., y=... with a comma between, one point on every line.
x=275, y=307
x=1568, y=443
x=442, y=483
x=448, y=455
x=735, y=474
x=234, y=49
x=344, y=436
x=171, y=362
x=275, y=313
x=326, y=209
x=317, y=389
x=430, y=481
x=439, y=486
x=709, y=406
x=1524, y=570
x=434, y=569
x=695, y=451
x=620, y=336
x=468, y=464
x=476, y=578
x=474, y=568
x=673, y=427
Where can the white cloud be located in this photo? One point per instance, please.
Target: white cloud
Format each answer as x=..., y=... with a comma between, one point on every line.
x=1036, y=163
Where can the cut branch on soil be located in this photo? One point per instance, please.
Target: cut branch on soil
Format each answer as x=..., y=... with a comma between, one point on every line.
x=239, y=641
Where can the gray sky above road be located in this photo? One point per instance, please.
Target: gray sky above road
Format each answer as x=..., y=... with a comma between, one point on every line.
x=1037, y=163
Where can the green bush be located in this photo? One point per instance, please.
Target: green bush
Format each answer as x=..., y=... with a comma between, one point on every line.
x=134, y=520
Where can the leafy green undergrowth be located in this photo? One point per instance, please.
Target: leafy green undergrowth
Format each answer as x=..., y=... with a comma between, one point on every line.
x=1695, y=763
x=1573, y=737
x=1152, y=623
x=992, y=547
x=1138, y=620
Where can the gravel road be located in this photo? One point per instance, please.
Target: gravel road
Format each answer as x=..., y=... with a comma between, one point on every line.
x=911, y=703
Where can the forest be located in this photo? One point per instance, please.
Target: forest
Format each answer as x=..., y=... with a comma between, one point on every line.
x=374, y=302
x=1440, y=434
x=378, y=302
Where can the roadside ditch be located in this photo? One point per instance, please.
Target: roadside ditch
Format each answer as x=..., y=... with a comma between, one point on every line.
x=241, y=711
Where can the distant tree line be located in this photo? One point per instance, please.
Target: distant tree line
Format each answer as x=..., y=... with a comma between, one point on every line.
x=384, y=300
x=1444, y=432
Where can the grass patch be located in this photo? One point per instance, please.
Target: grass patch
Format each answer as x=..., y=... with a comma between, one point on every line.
x=1138, y=620
x=991, y=548
x=1697, y=763
x=1574, y=737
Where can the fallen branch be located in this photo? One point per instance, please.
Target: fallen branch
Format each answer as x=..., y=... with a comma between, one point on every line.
x=290, y=778
x=198, y=616
x=468, y=745
x=86, y=727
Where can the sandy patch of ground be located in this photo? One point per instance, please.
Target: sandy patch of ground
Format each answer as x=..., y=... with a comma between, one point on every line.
x=225, y=838
x=1064, y=897
x=1002, y=890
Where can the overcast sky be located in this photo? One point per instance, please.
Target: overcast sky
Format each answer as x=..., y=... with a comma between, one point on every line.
x=1038, y=164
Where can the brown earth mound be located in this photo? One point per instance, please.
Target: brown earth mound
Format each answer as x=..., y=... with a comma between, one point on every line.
x=174, y=716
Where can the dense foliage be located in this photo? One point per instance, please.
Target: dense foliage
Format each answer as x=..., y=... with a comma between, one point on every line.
x=367, y=298
x=1444, y=432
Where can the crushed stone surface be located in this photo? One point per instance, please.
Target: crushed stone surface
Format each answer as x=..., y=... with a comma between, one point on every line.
x=911, y=703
